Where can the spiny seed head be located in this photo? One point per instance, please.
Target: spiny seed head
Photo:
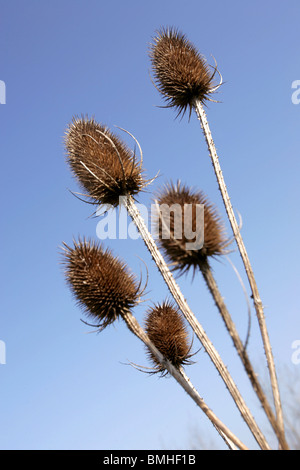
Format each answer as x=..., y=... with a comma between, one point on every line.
x=102, y=163
x=181, y=74
x=175, y=245
x=101, y=283
x=166, y=329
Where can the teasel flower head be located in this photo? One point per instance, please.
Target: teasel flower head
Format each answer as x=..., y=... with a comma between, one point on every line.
x=181, y=74
x=165, y=327
x=101, y=283
x=102, y=163
x=175, y=241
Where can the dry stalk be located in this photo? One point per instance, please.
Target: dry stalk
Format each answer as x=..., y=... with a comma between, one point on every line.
x=214, y=290
x=244, y=255
x=192, y=320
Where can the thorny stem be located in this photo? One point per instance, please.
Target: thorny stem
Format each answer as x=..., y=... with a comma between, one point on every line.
x=244, y=255
x=230, y=439
x=192, y=320
x=213, y=288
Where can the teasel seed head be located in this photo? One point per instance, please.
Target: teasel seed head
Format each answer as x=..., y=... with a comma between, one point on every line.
x=181, y=74
x=165, y=327
x=175, y=245
x=101, y=283
x=101, y=162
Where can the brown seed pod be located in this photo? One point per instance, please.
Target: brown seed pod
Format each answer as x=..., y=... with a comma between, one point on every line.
x=175, y=245
x=102, y=163
x=101, y=283
x=166, y=329
x=181, y=74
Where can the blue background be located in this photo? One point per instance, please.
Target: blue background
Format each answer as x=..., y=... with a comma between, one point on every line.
x=64, y=387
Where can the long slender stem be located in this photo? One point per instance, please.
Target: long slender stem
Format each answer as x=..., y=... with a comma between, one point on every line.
x=230, y=444
x=183, y=380
x=244, y=255
x=192, y=320
x=214, y=290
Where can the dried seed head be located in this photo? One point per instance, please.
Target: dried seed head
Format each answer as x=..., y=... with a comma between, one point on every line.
x=100, y=282
x=175, y=245
x=166, y=329
x=181, y=74
x=102, y=163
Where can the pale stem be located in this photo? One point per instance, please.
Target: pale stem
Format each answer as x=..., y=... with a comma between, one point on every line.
x=230, y=444
x=192, y=320
x=235, y=228
x=230, y=439
x=214, y=290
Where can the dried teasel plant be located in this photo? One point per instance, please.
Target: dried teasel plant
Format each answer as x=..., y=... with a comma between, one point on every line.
x=106, y=290
x=108, y=173
x=183, y=259
x=194, y=322
x=166, y=329
x=170, y=365
x=110, y=193
x=170, y=49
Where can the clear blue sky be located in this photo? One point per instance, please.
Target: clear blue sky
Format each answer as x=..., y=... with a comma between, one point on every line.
x=63, y=387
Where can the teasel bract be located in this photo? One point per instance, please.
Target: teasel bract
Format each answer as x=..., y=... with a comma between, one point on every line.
x=101, y=283
x=175, y=245
x=102, y=163
x=181, y=74
x=166, y=329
